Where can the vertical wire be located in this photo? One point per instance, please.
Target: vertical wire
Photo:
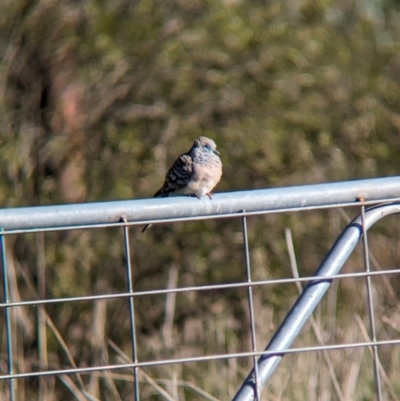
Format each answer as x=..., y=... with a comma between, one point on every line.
x=41, y=314
x=7, y=312
x=132, y=312
x=251, y=306
x=377, y=376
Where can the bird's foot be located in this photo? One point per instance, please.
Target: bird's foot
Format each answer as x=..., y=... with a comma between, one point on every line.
x=210, y=195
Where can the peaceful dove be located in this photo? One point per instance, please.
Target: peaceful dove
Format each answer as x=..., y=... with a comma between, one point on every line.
x=194, y=173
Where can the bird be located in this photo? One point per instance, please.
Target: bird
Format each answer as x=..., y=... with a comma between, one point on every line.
x=194, y=173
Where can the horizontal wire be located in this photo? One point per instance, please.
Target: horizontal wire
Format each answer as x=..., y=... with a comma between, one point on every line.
x=199, y=218
x=200, y=288
x=207, y=358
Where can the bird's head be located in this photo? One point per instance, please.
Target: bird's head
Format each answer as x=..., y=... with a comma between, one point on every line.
x=205, y=144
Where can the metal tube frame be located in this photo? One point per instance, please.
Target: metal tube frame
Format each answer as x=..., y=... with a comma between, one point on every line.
x=234, y=204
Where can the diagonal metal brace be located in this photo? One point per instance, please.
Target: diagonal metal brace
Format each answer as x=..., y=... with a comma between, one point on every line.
x=310, y=298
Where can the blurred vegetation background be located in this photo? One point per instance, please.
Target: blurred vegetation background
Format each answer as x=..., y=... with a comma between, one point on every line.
x=99, y=97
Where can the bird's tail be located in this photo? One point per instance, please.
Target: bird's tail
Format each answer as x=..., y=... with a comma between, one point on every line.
x=146, y=227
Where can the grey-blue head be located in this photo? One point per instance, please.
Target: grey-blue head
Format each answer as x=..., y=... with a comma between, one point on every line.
x=205, y=144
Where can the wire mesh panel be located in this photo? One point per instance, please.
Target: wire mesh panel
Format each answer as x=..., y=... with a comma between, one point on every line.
x=89, y=313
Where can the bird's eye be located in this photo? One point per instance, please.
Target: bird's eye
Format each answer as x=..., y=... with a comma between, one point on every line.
x=208, y=147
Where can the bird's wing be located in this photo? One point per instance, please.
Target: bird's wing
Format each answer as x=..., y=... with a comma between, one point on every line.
x=178, y=176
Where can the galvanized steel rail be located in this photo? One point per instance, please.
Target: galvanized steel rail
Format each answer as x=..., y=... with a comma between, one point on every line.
x=383, y=191
x=305, y=197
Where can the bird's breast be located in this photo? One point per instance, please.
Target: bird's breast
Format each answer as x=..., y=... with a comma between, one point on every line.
x=203, y=180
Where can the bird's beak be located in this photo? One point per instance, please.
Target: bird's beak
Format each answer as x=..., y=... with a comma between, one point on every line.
x=216, y=152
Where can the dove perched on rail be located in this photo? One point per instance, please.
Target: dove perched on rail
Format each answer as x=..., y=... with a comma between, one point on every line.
x=194, y=173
